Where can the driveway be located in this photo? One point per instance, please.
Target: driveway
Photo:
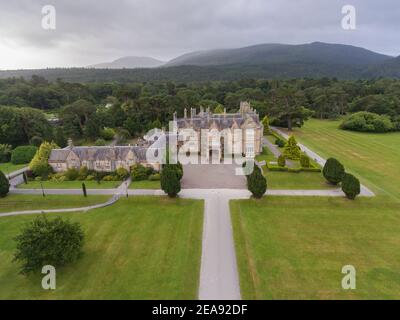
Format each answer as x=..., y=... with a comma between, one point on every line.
x=212, y=176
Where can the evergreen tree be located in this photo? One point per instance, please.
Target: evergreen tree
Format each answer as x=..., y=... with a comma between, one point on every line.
x=292, y=150
x=351, y=186
x=265, y=123
x=333, y=171
x=169, y=181
x=256, y=183
x=4, y=185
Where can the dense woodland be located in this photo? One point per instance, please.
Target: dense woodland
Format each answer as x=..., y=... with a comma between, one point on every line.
x=84, y=110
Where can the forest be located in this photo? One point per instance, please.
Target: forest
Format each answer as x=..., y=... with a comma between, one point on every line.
x=84, y=111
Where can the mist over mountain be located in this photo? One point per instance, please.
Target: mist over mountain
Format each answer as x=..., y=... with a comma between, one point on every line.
x=316, y=52
x=129, y=63
x=263, y=61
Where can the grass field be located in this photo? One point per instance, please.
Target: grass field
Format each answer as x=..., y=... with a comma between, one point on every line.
x=22, y=202
x=8, y=167
x=70, y=185
x=139, y=248
x=374, y=158
x=145, y=184
x=295, y=248
x=289, y=180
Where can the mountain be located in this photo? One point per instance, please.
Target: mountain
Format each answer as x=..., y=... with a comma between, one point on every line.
x=267, y=54
x=264, y=61
x=130, y=63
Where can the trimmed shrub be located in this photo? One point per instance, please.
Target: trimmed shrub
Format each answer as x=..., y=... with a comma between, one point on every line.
x=4, y=185
x=83, y=173
x=71, y=174
x=367, y=122
x=281, y=160
x=23, y=154
x=304, y=161
x=100, y=142
x=169, y=181
x=110, y=178
x=292, y=150
x=39, y=164
x=256, y=183
x=55, y=242
x=139, y=172
x=122, y=173
x=280, y=143
x=351, y=186
x=265, y=123
x=90, y=178
x=333, y=171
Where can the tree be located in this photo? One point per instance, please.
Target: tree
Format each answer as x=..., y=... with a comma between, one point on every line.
x=23, y=154
x=287, y=106
x=351, y=186
x=281, y=160
x=256, y=183
x=333, y=171
x=304, y=161
x=40, y=162
x=265, y=123
x=4, y=185
x=169, y=181
x=59, y=137
x=55, y=242
x=292, y=150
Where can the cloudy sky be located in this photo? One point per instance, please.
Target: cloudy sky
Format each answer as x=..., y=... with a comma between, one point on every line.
x=93, y=31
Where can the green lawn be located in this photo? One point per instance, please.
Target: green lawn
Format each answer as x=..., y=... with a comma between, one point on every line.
x=374, y=158
x=139, y=248
x=8, y=167
x=290, y=180
x=295, y=247
x=22, y=202
x=70, y=185
x=145, y=184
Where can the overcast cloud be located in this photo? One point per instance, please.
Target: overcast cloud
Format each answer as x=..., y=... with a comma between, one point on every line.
x=93, y=31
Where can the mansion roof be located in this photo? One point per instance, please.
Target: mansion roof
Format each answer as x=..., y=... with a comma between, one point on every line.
x=109, y=153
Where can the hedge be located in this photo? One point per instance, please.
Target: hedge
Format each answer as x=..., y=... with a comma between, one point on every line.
x=23, y=154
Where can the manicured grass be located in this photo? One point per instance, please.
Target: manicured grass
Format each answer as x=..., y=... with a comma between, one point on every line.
x=374, y=158
x=145, y=184
x=296, y=181
x=8, y=167
x=295, y=247
x=139, y=248
x=22, y=202
x=289, y=180
x=70, y=185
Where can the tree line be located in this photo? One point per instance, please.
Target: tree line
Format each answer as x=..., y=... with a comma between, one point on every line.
x=84, y=110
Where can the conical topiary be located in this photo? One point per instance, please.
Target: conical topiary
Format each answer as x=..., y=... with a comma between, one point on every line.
x=292, y=150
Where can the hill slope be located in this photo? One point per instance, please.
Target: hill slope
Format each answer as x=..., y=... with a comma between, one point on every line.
x=129, y=63
x=316, y=52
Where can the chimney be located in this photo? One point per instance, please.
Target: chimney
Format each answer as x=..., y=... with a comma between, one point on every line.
x=185, y=113
x=70, y=143
x=175, y=116
x=224, y=112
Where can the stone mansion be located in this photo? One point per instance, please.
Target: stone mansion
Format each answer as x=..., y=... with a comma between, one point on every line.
x=109, y=158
